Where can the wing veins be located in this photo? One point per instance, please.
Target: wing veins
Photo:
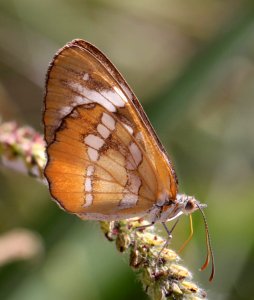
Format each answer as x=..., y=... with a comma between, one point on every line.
x=120, y=122
x=94, y=163
x=143, y=152
x=112, y=159
x=117, y=182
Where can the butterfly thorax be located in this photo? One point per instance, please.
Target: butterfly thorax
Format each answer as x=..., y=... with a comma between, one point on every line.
x=169, y=210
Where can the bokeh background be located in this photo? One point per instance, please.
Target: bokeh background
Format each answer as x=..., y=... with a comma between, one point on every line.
x=191, y=64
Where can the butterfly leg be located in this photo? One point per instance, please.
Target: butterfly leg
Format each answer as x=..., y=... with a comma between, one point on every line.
x=169, y=233
x=144, y=226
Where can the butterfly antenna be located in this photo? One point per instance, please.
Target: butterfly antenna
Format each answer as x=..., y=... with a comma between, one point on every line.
x=208, y=247
x=190, y=236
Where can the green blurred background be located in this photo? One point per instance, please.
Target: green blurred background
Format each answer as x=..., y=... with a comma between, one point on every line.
x=191, y=63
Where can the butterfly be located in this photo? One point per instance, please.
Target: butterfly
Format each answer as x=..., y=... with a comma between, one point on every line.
x=105, y=161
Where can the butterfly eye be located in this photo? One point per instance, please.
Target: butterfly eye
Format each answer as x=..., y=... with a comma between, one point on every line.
x=190, y=206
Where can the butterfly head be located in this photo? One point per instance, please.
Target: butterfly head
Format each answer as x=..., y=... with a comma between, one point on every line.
x=188, y=204
x=182, y=205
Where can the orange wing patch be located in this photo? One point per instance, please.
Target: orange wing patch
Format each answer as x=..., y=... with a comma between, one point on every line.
x=104, y=173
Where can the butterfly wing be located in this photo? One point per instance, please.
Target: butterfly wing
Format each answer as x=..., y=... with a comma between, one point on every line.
x=104, y=158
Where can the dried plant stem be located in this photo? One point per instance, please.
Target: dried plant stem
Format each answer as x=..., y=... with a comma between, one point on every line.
x=23, y=149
